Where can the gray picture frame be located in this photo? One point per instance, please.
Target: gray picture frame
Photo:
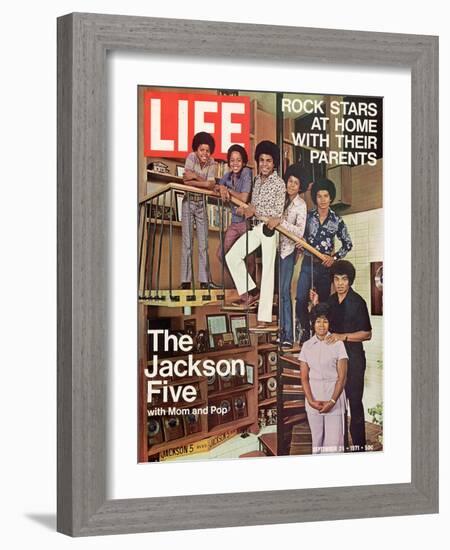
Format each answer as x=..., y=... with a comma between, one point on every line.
x=83, y=331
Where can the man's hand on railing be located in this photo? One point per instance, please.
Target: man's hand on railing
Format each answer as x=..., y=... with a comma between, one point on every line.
x=328, y=261
x=273, y=222
x=224, y=193
x=189, y=175
x=249, y=211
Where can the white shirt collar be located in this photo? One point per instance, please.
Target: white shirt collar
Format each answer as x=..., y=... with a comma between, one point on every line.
x=315, y=340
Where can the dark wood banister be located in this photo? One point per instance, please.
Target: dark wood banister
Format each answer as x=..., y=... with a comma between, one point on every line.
x=235, y=201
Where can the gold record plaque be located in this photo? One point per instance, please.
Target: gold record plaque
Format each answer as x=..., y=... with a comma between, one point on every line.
x=271, y=386
x=173, y=428
x=155, y=433
x=261, y=392
x=227, y=410
x=272, y=359
x=226, y=381
x=261, y=363
x=240, y=406
x=213, y=383
x=192, y=423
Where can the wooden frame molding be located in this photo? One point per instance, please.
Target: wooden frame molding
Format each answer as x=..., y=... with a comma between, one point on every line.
x=83, y=42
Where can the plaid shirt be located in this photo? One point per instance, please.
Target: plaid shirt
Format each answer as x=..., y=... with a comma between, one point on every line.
x=321, y=236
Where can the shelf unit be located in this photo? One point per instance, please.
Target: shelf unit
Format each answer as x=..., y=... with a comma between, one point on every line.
x=263, y=127
x=267, y=405
x=247, y=391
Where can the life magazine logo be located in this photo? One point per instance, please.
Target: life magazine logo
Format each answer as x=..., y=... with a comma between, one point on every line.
x=171, y=119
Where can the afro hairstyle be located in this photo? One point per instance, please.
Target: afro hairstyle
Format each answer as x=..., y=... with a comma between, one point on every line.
x=203, y=138
x=323, y=185
x=238, y=148
x=267, y=147
x=343, y=267
x=297, y=171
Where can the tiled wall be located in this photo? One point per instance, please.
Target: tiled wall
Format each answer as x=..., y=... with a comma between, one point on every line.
x=366, y=230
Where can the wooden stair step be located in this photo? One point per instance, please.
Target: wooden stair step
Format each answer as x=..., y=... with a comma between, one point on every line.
x=290, y=391
x=300, y=449
x=301, y=433
x=237, y=309
x=301, y=440
x=294, y=404
x=264, y=330
x=181, y=298
x=269, y=442
x=292, y=396
x=290, y=359
x=294, y=349
x=301, y=417
x=290, y=374
x=301, y=429
x=297, y=394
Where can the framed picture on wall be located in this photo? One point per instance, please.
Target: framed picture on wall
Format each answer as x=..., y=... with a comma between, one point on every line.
x=376, y=288
x=239, y=322
x=217, y=325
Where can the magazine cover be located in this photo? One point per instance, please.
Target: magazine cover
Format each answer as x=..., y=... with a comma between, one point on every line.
x=260, y=276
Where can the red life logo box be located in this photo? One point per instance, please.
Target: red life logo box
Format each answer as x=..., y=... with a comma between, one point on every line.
x=171, y=119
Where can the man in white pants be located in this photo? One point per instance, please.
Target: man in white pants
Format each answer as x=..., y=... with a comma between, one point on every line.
x=268, y=197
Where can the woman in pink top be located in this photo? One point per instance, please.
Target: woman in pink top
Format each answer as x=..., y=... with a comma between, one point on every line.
x=323, y=367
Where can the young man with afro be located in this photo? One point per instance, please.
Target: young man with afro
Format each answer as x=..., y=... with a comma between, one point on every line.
x=267, y=201
x=323, y=225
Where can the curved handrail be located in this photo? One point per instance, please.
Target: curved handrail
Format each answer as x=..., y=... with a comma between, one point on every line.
x=236, y=202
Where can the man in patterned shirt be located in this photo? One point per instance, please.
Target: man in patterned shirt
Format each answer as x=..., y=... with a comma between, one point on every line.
x=322, y=226
x=268, y=201
x=294, y=221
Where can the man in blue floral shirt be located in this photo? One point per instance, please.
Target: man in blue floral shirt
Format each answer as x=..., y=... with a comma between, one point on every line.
x=322, y=226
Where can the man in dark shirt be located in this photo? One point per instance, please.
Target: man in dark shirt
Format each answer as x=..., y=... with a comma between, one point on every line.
x=323, y=225
x=350, y=323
